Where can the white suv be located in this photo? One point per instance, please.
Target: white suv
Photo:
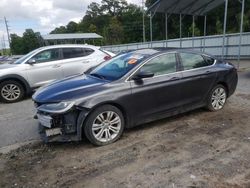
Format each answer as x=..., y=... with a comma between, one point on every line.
x=45, y=65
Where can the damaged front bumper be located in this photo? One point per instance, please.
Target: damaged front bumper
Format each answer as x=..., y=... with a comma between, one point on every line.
x=63, y=127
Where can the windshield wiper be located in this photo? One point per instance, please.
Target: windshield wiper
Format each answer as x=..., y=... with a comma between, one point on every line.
x=97, y=75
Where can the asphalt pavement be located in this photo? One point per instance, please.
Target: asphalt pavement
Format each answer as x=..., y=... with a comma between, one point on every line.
x=16, y=123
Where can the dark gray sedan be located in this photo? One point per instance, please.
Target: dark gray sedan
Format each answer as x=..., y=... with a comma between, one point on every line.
x=133, y=88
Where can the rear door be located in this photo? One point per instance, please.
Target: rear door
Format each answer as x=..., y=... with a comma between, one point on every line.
x=160, y=93
x=198, y=77
x=77, y=60
x=46, y=69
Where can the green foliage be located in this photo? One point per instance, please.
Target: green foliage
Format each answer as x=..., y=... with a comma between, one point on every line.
x=16, y=44
x=72, y=27
x=197, y=31
x=114, y=32
x=28, y=42
x=59, y=30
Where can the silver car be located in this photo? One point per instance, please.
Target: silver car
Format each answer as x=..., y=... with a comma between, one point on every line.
x=45, y=65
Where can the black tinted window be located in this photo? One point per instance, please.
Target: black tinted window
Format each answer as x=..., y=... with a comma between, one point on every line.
x=160, y=65
x=73, y=53
x=47, y=55
x=192, y=61
x=88, y=51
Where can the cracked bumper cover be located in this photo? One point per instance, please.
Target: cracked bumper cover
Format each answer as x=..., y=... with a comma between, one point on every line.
x=61, y=127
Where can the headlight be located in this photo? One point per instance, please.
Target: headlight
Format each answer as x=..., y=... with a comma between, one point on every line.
x=56, y=108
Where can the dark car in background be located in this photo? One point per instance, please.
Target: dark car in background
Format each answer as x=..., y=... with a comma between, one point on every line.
x=131, y=89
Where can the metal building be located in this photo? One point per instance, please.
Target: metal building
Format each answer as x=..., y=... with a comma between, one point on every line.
x=70, y=37
x=193, y=8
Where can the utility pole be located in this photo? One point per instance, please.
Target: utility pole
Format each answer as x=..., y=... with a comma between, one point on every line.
x=143, y=22
x=7, y=29
x=3, y=45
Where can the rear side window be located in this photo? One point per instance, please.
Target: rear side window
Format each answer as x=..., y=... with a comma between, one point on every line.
x=88, y=51
x=192, y=61
x=69, y=53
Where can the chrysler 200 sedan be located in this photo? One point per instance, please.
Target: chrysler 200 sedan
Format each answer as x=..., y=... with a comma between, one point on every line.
x=133, y=88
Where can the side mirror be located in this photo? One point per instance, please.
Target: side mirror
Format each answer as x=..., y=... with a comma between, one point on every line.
x=31, y=61
x=143, y=74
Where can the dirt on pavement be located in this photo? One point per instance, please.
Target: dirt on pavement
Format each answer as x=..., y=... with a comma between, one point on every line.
x=195, y=149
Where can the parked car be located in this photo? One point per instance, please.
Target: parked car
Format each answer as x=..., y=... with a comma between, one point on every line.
x=45, y=65
x=131, y=89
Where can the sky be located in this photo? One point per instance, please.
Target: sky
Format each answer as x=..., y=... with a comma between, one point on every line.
x=41, y=15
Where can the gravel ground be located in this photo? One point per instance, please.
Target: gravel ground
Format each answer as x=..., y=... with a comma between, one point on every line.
x=195, y=149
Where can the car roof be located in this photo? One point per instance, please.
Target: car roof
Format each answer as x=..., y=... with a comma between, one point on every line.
x=155, y=51
x=69, y=46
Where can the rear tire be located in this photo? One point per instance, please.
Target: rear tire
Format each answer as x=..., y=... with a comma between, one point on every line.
x=11, y=91
x=217, y=98
x=104, y=125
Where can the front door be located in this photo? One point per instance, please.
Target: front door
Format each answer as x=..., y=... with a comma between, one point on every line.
x=159, y=94
x=46, y=68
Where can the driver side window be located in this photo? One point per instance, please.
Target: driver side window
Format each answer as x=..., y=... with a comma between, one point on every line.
x=161, y=65
x=47, y=55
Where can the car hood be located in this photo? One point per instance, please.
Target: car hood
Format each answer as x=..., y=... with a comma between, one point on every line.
x=7, y=66
x=71, y=88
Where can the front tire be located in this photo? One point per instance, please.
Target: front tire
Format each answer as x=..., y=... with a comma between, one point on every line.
x=11, y=91
x=104, y=125
x=217, y=98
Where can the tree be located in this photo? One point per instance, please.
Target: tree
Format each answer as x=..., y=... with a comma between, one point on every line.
x=58, y=30
x=92, y=28
x=30, y=41
x=72, y=27
x=94, y=10
x=16, y=44
x=114, y=7
x=197, y=31
x=114, y=32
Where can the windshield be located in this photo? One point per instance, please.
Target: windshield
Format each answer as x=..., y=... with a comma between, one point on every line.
x=117, y=67
x=19, y=61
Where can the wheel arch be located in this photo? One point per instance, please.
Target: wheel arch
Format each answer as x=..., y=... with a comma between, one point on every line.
x=225, y=85
x=87, y=111
x=18, y=79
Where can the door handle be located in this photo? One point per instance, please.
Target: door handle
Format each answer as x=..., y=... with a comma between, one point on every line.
x=56, y=66
x=174, y=78
x=208, y=72
x=86, y=62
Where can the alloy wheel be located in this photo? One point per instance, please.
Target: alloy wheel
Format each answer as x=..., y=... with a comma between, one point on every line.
x=218, y=99
x=10, y=92
x=106, y=126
